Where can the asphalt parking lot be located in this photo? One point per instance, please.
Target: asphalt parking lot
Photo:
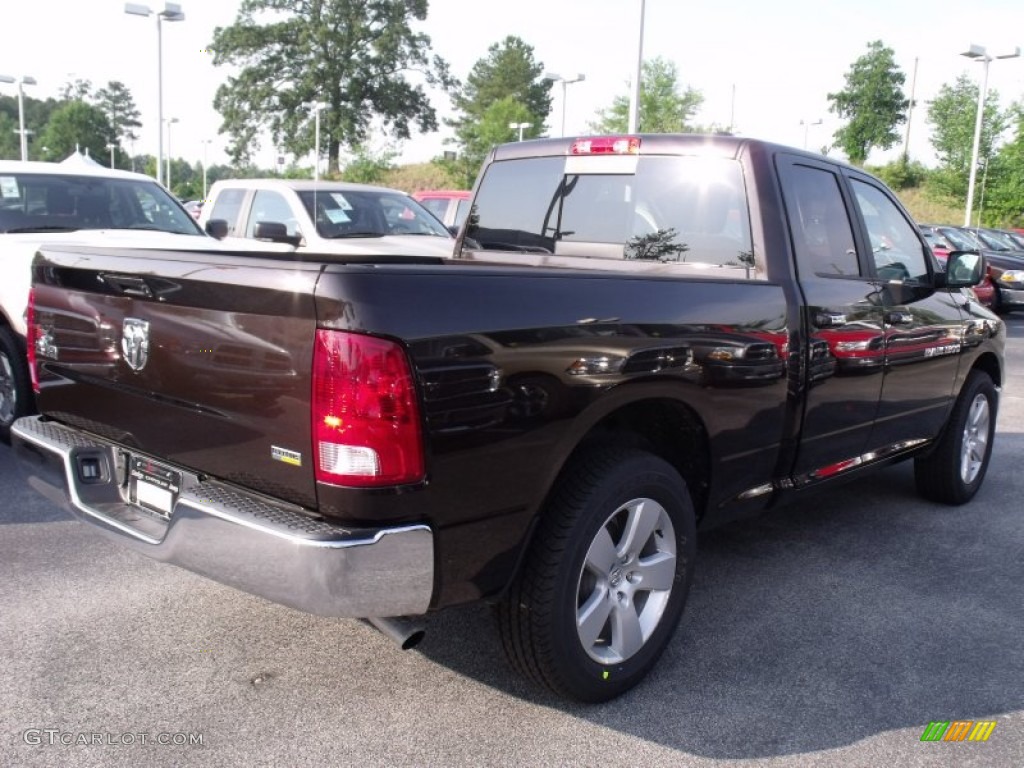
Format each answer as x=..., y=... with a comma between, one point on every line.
x=829, y=633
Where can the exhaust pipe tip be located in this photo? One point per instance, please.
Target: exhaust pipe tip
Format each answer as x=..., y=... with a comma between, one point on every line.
x=406, y=632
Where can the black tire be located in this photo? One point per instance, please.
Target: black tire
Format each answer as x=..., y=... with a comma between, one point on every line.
x=954, y=471
x=560, y=581
x=15, y=387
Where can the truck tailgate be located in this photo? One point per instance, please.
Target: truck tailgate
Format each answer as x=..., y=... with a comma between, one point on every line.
x=206, y=366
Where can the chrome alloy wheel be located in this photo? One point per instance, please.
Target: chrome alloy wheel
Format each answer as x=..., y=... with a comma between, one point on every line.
x=974, y=445
x=626, y=581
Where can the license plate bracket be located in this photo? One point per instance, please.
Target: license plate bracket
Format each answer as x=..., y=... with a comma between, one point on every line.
x=153, y=486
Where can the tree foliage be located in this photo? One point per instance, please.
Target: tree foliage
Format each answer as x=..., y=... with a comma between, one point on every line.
x=1004, y=199
x=118, y=105
x=73, y=126
x=952, y=115
x=872, y=102
x=664, y=108
x=359, y=57
x=503, y=87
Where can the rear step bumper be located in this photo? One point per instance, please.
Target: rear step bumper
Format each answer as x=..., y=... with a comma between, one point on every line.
x=239, y=539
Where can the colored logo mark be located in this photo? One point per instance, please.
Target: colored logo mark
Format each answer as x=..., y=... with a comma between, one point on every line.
x=958, y=730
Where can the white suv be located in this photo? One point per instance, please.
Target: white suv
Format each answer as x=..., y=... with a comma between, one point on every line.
x=76, y=202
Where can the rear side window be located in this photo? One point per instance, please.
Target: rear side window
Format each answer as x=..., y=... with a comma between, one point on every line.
x=227, y=206
x=819, y=224
x=666, y=209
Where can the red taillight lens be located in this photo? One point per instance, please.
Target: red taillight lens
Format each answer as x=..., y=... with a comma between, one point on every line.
x=32, y=333
x=366, y=419
x=606, y=145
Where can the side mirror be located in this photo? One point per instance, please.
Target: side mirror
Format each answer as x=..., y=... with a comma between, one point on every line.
x=964, y=269
x=217, y=228
x=275, y=232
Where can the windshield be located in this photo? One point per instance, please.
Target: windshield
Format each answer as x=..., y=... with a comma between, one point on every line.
x=666, y=209
x=368, y=213
x=37, y=202
x=961, y=240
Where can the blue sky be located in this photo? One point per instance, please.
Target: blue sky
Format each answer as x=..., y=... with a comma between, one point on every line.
x=765, y=65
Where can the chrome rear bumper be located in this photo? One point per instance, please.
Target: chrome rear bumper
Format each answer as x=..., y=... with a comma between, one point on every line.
x=240, y=539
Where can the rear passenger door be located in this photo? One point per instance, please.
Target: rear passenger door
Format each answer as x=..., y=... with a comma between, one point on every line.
x=845, y=344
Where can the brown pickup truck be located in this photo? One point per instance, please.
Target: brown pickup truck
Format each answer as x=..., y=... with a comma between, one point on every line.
x=637, y=338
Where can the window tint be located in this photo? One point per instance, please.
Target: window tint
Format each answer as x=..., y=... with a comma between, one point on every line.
x=227, y=206
x=270, y=206
x=897, y=251
x=670, y=210
x=51, y=202
x=820, y=226
x=436, y=206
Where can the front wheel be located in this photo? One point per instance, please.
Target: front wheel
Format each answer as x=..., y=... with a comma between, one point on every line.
x=953, y=472
x=605, y=581
x=15, y=388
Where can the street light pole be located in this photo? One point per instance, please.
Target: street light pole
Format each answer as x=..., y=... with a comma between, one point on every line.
x=555, y=77
x=634, y=93
x=978, y=52
x=171, y=12
x=112, y=147
x=807, y=125
x=22, y=133
x=519, y=127
x=206, y=144
x=170, y=121
x=316, y=106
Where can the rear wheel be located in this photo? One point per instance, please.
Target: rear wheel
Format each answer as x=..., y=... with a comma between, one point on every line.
x=953, y=472
x=606, y=579
x=15, y=389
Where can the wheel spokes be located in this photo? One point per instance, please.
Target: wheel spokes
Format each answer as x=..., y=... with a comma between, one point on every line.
x=641, y=523
x=627, y=634
x=592, y=616
x=657, y=572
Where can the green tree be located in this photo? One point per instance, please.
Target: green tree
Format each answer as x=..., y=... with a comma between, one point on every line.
x=508, y=74
x=1004, y=198
x=872, y=102
x=952, y=115
x=76, y=125
x=355, y=56
x=77, y=90
x=118, y=105
x=368, y=167
x=664, y=108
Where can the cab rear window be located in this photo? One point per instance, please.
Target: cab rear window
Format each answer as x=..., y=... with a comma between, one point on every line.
x=667, y=209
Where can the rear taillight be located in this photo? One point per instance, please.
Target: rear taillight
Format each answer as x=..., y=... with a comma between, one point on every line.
x=366, y=419
x=32, y=333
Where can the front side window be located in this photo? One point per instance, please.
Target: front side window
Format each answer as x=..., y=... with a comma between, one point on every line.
x=270, y=206
x=896, y=249
x=666, y=209
x=228, y=206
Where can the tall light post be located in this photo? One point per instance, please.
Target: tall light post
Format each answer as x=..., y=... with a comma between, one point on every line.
x=555, y=77
x=112, y=147
x=171, y=12
x=22, y=133
x=206, y=144
x=170, y=121
x=634, y=92
x=520, y=127
x=807, y=126
x=317, y=107
x=979, y=53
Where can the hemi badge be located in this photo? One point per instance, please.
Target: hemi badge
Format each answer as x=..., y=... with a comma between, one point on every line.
x=288, y=457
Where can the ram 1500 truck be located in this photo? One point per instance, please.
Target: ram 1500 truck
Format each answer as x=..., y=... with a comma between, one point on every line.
x=639, y=337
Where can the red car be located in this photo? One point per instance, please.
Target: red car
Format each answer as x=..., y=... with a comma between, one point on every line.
x=449, y=205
